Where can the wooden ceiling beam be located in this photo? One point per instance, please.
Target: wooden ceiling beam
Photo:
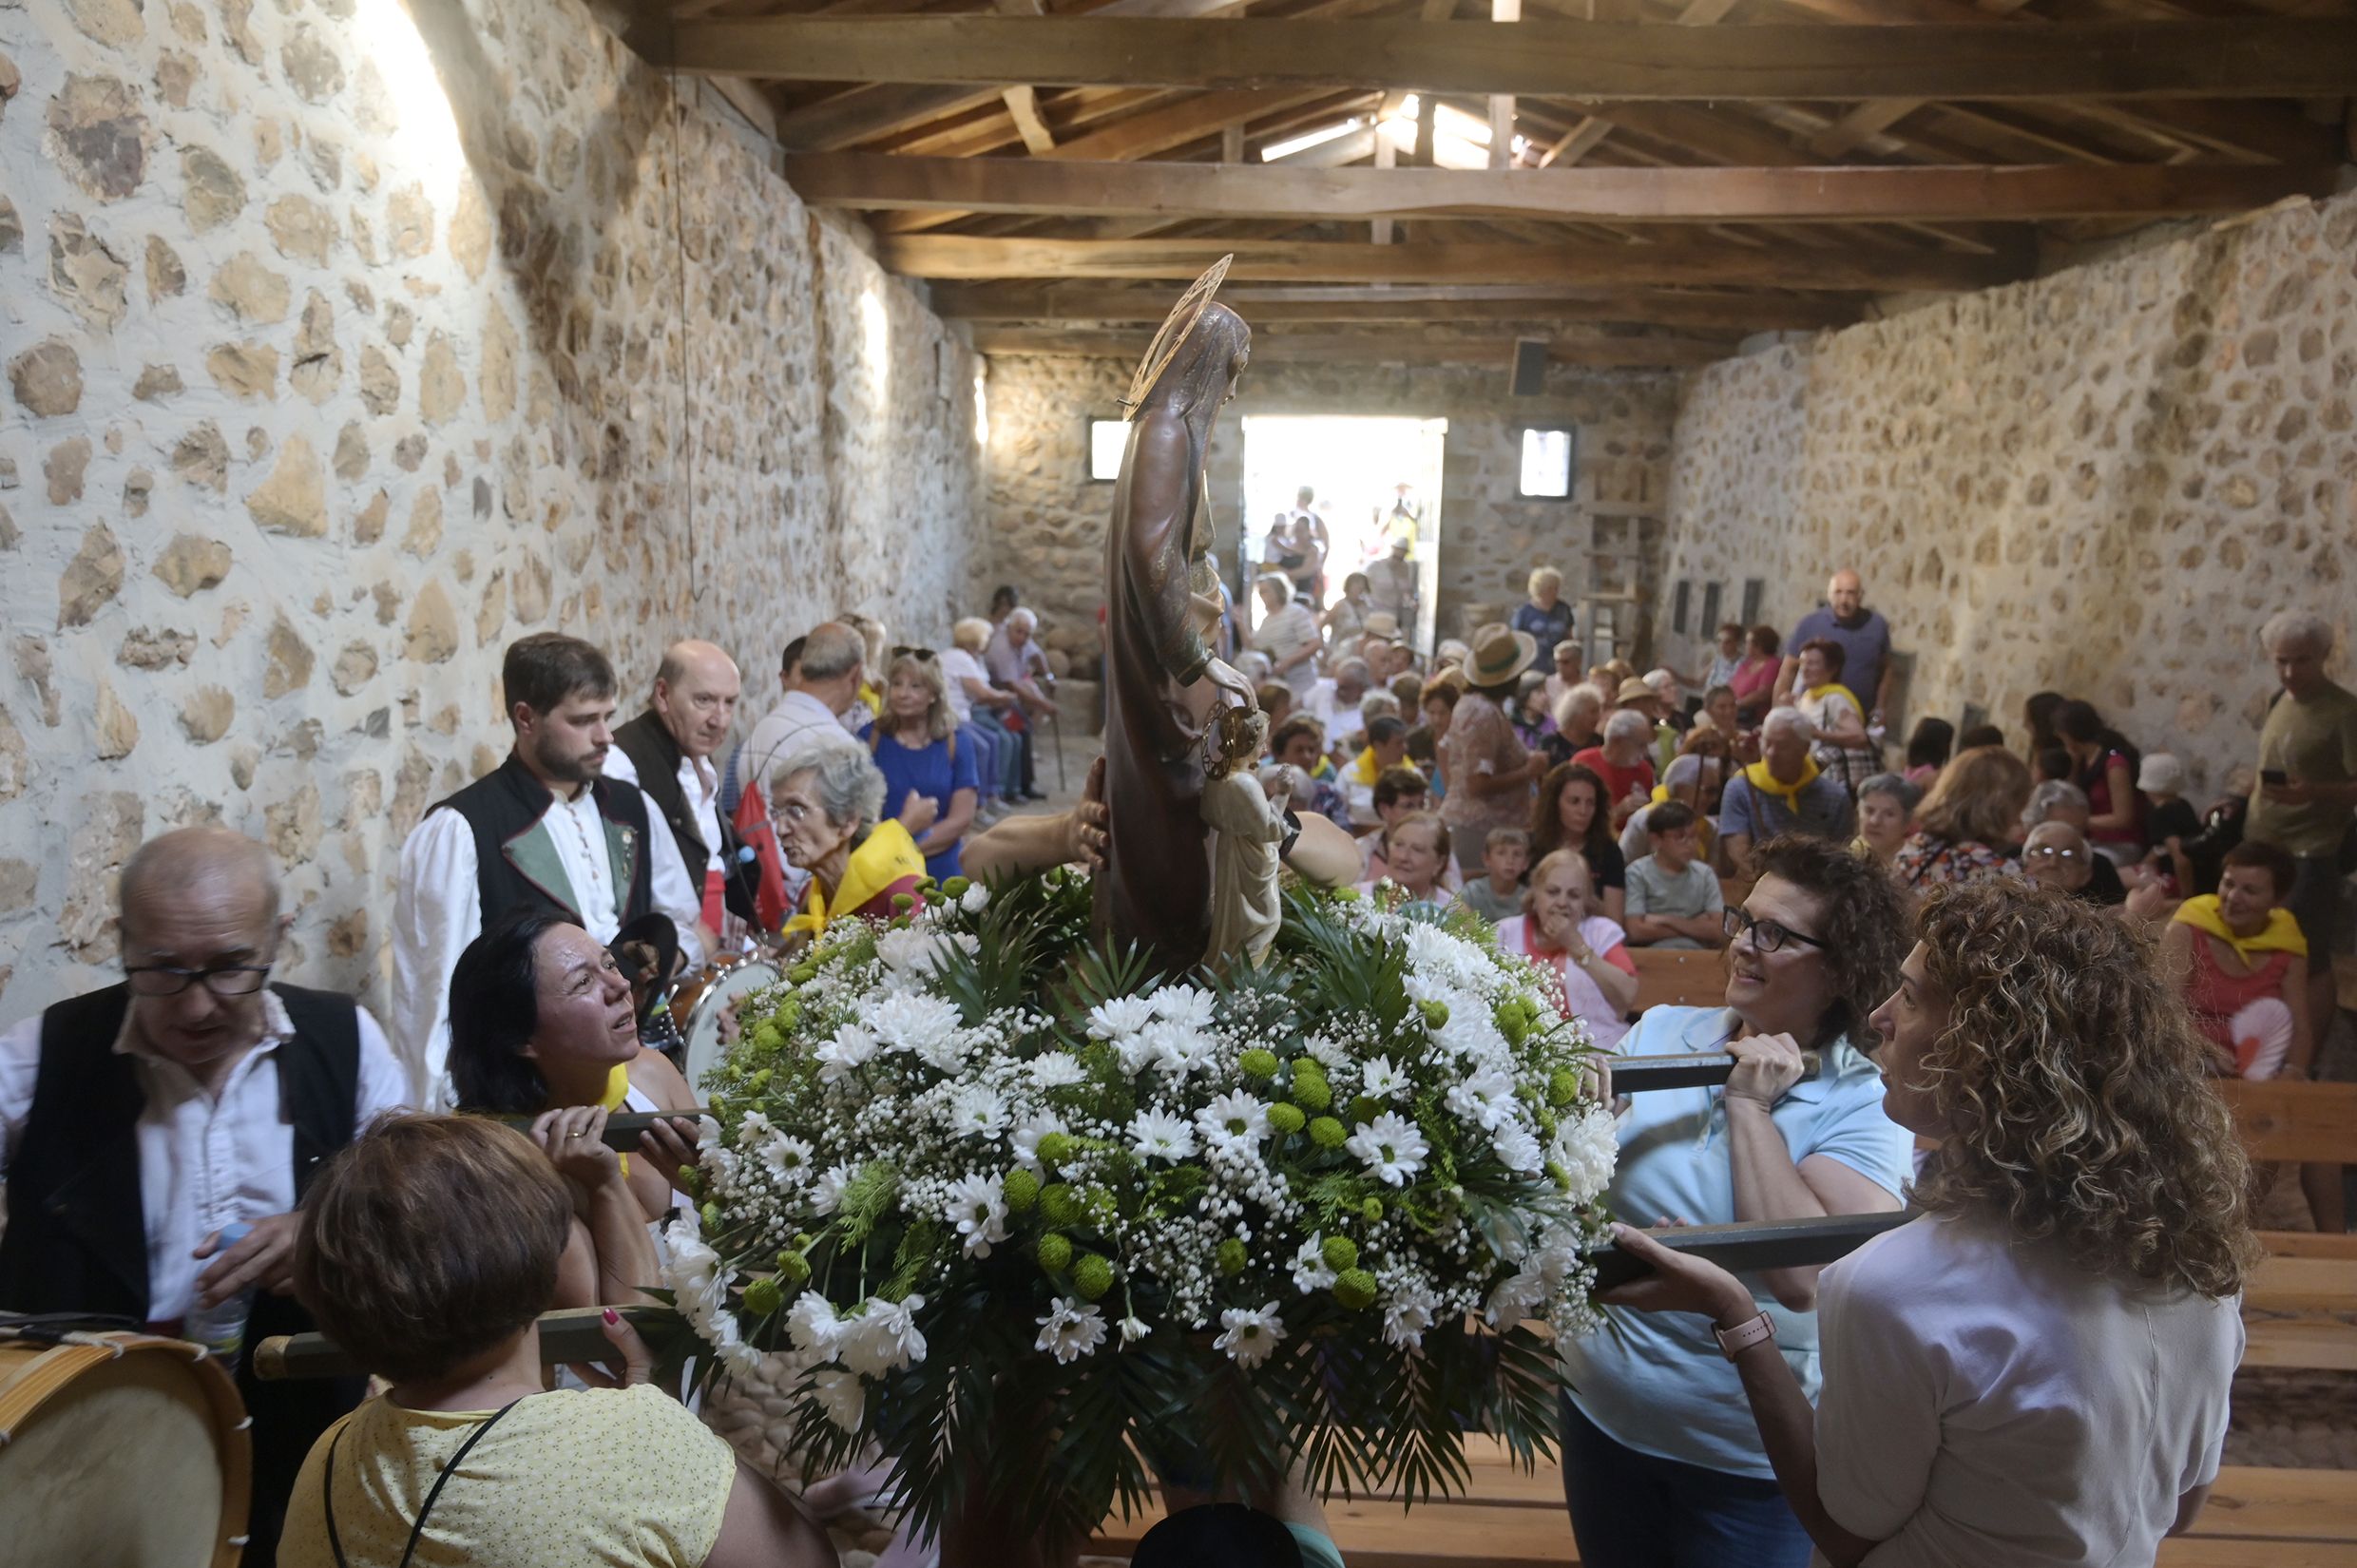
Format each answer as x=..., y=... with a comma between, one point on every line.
x=2246, y=57
x=1378, y=349
x=1599, y=266
x=1705, y=311
x=1052, y=184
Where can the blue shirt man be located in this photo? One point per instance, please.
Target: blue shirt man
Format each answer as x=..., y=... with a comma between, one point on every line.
x=1863, y=635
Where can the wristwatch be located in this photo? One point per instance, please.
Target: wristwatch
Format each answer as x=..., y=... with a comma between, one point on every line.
x=1734, y=1342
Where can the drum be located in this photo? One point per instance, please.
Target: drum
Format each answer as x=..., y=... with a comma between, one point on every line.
x=700, y=1000
x=127, y=1451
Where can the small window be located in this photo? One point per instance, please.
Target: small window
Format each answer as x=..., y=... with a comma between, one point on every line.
x=1546, y=464
x=1685, y=602
x=1709, y=610
x=1107, y=440
x=1752, y=588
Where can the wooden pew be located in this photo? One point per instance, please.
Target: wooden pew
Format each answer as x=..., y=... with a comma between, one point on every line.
x=1679, y=976
x=2286, y=1119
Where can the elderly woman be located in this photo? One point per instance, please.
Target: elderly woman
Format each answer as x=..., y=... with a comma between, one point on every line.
x=983, y=708
x=1726, y=656
x=1345, y=623
x=915, y=746
x=831, y=820
x=1487, y=771
x=542, y=1025
x=2035, y=1371
x=1754, y=680
x=1843, y=746
x=1572, y=812
x=1885, y=802
x=1660, y=1464
x=1964, y=830
x=1288, y=634
x=1584, y=954
x=1624, y=761
x=2058, y=801
x=1544, y=616
x=2245, y=964
x=428, y=1249
x=1414, y=852
x=1578, y=724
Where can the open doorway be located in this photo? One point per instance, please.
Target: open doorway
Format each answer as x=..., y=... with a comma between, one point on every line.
x=1374, y=479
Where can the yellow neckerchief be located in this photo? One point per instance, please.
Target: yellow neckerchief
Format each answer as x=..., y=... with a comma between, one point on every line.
x=886, y=855
x=1815, y=692
x=1760, y=779
x=1364, y=769
x=617, y=1090
x=2281, y=935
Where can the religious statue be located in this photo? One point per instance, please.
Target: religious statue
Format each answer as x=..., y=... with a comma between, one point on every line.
x=1248, y=827
x=1162, y=684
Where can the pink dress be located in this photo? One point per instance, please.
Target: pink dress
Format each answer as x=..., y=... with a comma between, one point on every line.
x=1574, y=991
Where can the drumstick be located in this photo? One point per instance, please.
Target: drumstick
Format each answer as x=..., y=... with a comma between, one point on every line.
x=623, y=1128
x=572, y=1333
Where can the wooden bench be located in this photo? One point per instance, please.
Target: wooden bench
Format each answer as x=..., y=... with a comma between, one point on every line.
x=2286, y=1119
x=1679, y=976
x=2302, y=1311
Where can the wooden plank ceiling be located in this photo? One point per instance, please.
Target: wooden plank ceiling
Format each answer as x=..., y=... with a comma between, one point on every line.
x=1641, y=183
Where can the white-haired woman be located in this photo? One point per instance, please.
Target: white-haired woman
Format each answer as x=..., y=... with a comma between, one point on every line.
x=1288, y=634
x=915, y=743
x=1625, y=762
x=1544, y=615
x=1578, y=721
x=831, y=820
x=980, y=711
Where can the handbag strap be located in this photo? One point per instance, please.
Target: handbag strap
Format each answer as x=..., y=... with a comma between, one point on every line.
x=327, y=1487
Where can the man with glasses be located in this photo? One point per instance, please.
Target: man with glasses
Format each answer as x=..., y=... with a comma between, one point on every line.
x=141, y=1121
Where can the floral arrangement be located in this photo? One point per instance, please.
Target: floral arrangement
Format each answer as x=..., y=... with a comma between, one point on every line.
x=1034, y=1220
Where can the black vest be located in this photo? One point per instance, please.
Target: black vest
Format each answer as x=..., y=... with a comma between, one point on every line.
x=502, y=807
x=77, y=1229
x=656, y=754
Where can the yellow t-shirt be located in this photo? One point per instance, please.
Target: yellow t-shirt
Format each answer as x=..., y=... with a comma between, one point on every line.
x=625, y=1478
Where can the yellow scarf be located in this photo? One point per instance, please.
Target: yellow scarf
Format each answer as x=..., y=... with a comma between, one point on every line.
x=2281, y=935
x=1764, y=782
x=617, y=1090
x=883, y=858
x=1364, y=767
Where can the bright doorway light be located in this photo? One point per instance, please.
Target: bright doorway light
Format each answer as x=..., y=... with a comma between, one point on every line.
x=1357, y=466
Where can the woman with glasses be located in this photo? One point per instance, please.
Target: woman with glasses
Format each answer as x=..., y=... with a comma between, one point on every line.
x=915, y=745
x=1662, y=1466
x=831, y=821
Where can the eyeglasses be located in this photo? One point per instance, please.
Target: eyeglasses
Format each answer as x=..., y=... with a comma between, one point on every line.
x=220, y=979
x=1767, y=935
x=2053, y=852
x=909, y=650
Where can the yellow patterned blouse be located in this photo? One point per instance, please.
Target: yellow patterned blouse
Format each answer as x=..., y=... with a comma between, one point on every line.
x=624, y=1478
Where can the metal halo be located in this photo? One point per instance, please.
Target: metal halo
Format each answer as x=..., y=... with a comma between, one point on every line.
x=1172, y=333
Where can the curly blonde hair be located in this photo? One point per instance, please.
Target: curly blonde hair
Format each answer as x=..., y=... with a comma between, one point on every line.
x=2075, y=1084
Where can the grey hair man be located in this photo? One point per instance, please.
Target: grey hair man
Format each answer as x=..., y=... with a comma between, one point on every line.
x=2058, y=802
x=819, y=689
x=139, y=1123
x=1783, y=793
x=668, y=750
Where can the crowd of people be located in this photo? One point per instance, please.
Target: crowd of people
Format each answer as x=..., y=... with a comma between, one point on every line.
x=1915, y=937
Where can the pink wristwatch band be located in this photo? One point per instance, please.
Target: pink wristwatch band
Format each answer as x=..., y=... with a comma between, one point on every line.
x=1734, y=1342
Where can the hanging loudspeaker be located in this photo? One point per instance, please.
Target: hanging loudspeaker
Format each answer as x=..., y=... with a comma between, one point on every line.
x=1531, y=363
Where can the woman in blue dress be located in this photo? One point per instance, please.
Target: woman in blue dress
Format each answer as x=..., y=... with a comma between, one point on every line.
x=916, y=748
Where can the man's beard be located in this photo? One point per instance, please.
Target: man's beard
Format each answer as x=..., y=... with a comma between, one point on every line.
x=554, y=764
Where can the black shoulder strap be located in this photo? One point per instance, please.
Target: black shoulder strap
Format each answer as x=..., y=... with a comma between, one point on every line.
x=327, y=1487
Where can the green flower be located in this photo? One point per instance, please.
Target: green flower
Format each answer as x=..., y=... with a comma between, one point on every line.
x=691, y=1179
x=712, y=1219
x=1511, y=1020
x=1022, y=1189
x=1435, y=1012
x=1556, y=1174
x=1258, y=1062
x=764, y=1296
x=793, y=1267
x=1287, y=1120
x=1312, y=1093
x=803, y=974
x=1092, y=1276
x=1371, y=1211
x=768, y=1036
x=1365, y=1109
x=1340, y=1252
x=902, y=903
x=1055, y=1148
x=1055, y=1253
x=1563, y=1086
x=1355, y=1289
x=1231, y=1257
x=956, y=887
x=1061, y=1205
x=1328, y=1134
x=759, y=1082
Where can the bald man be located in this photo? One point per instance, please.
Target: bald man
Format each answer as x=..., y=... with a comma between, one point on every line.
x=667, y=751
x=1865, y=639
x=140, y=1120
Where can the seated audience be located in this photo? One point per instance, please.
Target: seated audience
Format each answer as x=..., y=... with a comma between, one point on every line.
x=1624, y=761
x=1583, y=952
x=1018, y=664
x=1661, y=1465
x=2222, y=830
x=1299, y=744
x=1927, y=751
x=2052, y=766
x=2037, y=711
x=915, y=746
x=1843, y=747
x=830, y=814
x=1275, y=699
x=1673, y=896
x=1427, y=743
x=1564, y=656
x=1694, y=780
x=1572, y=812
x=1784, y=793
x=2057, y=855
x=979, y=706
x=1670, y=700
x=1345, y=623
x=2058, y=801
x=1885, y=805
x=1579, y=724
x=1415, y=857
x=2104, y=766
x=2035, y=1371
x=1979, y=735
x=1717, y=718
x=1754, y=679
x=1497, y=893
x=1400, y=793
x=1544, y=615
x=1386, y=750
x=1964, y=828
x=2169, y=819
x=428, y=1250
x=1333, y=702
x=2245, y=964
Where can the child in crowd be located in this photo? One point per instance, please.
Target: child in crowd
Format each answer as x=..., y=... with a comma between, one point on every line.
x=1498, y=893
x=2170, y=817
x=1400, y=793
x=1672, y=897
x=1386, y=749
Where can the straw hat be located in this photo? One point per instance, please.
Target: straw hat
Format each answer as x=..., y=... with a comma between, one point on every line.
x=1383, y=623
x=1634, y=690
x=1498, y=655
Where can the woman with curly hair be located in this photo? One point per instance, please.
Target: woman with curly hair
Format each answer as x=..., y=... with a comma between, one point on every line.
x=2035, y=1371
x=1964, y=828
x=1661, y=1467
x=1573, y=811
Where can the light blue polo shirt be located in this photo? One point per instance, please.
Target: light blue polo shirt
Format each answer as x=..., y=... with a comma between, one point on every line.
x=1656, y=1382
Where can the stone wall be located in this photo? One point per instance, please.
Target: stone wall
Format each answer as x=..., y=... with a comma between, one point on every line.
x=1048, y=521
x=2101, y=482
x=320, y=392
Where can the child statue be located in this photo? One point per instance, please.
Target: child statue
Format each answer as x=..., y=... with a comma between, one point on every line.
x=1248, y=828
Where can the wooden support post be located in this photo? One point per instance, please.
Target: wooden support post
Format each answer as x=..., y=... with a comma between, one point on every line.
x=1501, y=103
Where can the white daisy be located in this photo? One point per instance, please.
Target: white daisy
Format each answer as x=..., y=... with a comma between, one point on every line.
x=842, y=1396
x=1486, y=1098
x=975, y=899
x=1391, y=1147
x=811, y=1324
x=1380, y=1079
x=1250, y=1336
x=851, y=1048
x=1157, y=1135
x=826, y=1192
x=926, y=1026
x=1407, y=1315
x=1235, y=1121
x=977, y=1111
x=1178, y=1049
x=1058, y=1070
x=1070, y=1331
x=978, y=1209
x=693, y=1271
x=1120, y=1016
x=1133, y=1330
x=1189, y=1006
x=883, y=1338
x=753, y=1128
x=788, y=1159
x=1024, y=1140
x=1516, y=1149
x=1310, y=1271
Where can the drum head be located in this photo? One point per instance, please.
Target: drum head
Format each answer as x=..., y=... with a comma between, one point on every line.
x=702, y=1024
x=130, y=1462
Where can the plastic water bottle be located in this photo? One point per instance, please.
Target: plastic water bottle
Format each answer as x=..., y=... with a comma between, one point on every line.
x=221, y=1328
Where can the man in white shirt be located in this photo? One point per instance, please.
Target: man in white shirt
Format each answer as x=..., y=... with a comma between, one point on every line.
x=1392, y=585
x=667, y=752
x=819, y=689
x=544, y=830
x=1333, y=702
x=139, y=1122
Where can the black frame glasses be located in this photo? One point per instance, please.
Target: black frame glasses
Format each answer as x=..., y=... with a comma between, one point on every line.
x=909, y=650
x=222, y=979
x=1767, y=935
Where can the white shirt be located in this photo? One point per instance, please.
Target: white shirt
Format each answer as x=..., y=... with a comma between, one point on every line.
x=1987, y=1401
x=203, y=1162
x=957, y=668
x=1289, y=636
x=439, y=908
x=797, y=728
x=699, y=785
